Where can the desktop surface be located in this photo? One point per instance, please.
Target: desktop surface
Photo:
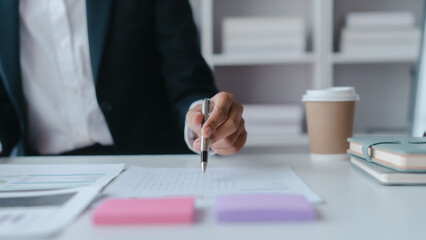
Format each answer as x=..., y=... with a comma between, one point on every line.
x=354, y=206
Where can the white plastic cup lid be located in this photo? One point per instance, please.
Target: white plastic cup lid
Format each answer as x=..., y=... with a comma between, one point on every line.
x=333, y=94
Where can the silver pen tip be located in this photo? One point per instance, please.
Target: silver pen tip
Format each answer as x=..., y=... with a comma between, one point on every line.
x=203, y=166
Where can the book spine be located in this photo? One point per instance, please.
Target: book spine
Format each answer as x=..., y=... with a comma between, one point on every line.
x=264, y=35
x=262, y=24
x=293, y=50
x=381, y=34
x=381, y=49
x=266, y=41
x=380, y=19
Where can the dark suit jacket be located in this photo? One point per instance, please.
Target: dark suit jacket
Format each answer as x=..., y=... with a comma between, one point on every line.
x=147, y=69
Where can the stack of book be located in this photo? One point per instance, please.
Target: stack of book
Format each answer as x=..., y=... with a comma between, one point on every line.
x=390, y=160
x=384, y=33
x=269, y=122
x=254, y=35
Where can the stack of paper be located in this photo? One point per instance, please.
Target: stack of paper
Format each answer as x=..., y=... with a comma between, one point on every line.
x=263, y=35
x=381, y=33
x=40, y=200
x=36, y=214
x=273, y=121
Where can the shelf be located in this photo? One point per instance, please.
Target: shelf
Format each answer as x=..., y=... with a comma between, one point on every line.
x=341, y=58
x=336, y=58
x=277, y=140
x=258, y=59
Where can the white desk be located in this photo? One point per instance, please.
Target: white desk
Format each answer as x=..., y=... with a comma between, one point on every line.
x=355, y=207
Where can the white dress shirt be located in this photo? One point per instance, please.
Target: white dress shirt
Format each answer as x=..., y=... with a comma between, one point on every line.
x=63, y=112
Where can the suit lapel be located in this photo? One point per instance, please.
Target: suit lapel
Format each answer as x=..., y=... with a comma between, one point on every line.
x=9, y=53
x=98, y=12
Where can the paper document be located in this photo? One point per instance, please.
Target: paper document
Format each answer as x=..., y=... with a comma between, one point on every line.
x=17, y=177
x=154, y=182
x=41, y=213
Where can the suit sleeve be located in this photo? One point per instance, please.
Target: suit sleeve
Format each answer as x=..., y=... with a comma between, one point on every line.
x=9, y=123
x=187, y=76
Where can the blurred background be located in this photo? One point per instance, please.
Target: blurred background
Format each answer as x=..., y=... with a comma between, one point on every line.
x=269, y=52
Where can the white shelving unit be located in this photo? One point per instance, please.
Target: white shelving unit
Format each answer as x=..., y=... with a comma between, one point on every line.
x=321, y=56
x=322, y=65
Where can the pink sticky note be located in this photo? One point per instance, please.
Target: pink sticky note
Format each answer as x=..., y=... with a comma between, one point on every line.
x=144, y=211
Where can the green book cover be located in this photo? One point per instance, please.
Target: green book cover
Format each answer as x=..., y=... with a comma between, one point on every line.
x=401, y=145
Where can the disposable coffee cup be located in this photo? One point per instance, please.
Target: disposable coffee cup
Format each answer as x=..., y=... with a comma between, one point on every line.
x=330, y=116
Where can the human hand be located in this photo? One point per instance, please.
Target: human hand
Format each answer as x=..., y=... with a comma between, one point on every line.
x=225, y=126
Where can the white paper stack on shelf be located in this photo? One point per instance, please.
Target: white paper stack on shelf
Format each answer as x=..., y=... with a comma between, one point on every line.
x=255, y=35
x=268, y=122
x=384, y=33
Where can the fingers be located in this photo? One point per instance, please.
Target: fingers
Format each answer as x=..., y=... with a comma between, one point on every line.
x=228, y=141
x=196, y=145
x=222, y=104
x=230, y=125
x=229, y=145
x=194, y=118
x=235, y=148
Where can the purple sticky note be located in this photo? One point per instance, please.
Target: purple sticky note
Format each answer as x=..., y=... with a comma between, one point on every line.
x=264, y=207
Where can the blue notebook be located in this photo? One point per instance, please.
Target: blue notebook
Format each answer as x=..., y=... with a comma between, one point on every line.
x=405, y=154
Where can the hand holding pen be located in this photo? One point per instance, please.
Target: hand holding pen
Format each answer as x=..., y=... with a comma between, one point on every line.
x=224, y=128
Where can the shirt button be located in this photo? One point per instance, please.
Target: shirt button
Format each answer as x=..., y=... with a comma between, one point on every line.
x=64, y=42
x=80, y=135
x=106, y=106
x=73, y=90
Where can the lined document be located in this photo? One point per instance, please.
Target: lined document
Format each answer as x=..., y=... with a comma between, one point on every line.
x=155, y=182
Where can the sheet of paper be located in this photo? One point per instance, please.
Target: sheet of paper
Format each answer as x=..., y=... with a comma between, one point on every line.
x=17, y=177
x=154, y=182
x=41, y=213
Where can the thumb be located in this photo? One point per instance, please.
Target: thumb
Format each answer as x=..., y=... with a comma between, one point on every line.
x=194, y=119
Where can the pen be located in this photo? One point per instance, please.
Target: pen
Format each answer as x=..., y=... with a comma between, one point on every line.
x=205, y=141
